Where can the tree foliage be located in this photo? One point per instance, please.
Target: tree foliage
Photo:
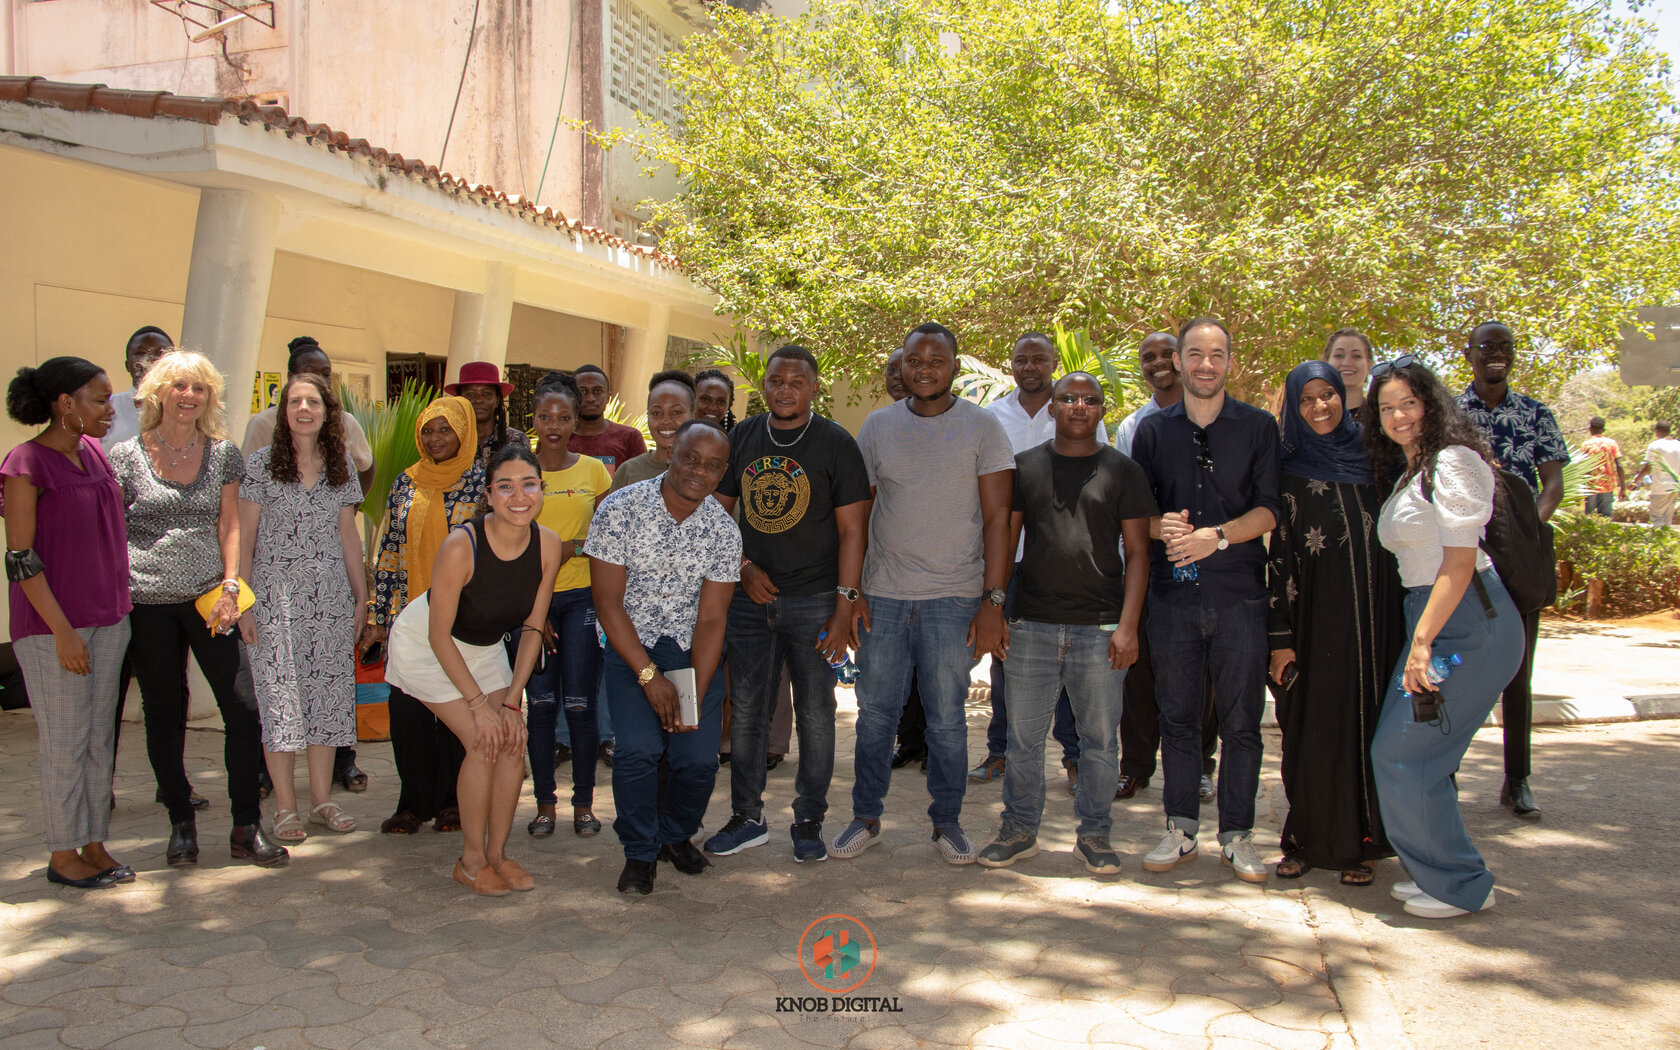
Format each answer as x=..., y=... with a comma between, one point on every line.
x=1407, y=166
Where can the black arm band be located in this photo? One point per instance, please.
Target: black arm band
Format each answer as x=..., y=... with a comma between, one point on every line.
x=22, y=565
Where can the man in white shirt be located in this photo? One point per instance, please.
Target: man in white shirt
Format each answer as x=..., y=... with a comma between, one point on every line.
x=145, y=346
x=1663, y=452
x=1140, y=730
x=1025, y=415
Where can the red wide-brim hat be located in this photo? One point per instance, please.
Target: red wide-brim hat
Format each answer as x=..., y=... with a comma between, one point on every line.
x=477, y=373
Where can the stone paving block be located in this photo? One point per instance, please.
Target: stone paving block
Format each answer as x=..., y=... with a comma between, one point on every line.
x=108, y=1027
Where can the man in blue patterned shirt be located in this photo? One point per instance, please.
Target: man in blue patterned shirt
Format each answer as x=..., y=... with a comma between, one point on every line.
x=664, y=558
x=1527, y=441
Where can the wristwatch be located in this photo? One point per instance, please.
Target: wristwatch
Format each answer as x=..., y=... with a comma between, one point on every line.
x=645, y=675
x=1223, y=542
x=996, y=596
x=851, y=594
x=577, y=548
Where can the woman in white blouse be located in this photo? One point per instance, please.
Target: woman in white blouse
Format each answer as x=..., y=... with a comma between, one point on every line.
x=1421, y=441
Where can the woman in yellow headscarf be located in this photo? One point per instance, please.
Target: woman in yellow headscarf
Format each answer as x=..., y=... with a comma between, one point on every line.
x=441, y=491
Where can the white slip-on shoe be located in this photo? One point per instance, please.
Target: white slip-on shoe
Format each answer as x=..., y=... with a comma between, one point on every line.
x=1426, y=907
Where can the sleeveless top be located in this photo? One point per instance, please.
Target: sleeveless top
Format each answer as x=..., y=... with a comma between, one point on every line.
x=500, y=594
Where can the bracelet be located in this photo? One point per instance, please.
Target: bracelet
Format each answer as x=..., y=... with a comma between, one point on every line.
x=515, y=709
x=482, y=698
x=23, y=565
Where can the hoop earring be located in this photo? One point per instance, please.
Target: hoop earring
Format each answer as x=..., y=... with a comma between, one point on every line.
x=81, y=428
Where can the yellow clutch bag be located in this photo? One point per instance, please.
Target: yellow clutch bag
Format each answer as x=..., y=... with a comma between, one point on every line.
x=207, y=601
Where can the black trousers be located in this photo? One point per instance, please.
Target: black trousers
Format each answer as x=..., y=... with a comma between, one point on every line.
x=428, y=757
x=163, y=636
x=1140, y=730
x=1517, y=706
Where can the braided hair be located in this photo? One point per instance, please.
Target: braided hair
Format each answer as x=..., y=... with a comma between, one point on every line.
x=719, y=374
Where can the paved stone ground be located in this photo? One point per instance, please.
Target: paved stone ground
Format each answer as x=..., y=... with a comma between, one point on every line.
x=365, y=942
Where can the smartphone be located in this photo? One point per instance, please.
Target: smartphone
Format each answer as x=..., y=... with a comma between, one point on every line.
x=374, y=654
x=1290, y=674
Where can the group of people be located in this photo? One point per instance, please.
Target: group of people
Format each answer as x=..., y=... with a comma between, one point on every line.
x=1129, y=593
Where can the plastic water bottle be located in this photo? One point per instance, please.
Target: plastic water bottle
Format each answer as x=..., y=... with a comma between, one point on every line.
x=845, y=671
x=1439, y=668
x=1185, y=573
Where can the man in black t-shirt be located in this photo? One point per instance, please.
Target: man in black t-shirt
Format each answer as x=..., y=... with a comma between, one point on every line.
x=1074, y=623
x=804, y=500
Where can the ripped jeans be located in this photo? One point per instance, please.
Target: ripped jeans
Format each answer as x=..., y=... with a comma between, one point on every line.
x=568, y=681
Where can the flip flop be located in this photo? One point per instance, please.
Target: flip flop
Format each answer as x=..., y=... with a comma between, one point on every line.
x=1359, y=875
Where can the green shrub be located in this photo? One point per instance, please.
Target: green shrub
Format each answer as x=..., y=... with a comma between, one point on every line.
x=1640, y=566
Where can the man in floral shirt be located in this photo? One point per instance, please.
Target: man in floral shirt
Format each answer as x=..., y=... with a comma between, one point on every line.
x=1527, y=441
x=664, y=560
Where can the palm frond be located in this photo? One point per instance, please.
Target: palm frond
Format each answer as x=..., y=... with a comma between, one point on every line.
x=390, y=433
x=616, y=412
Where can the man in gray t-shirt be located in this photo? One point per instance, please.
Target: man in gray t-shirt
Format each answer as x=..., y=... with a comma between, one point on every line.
x=940, y=470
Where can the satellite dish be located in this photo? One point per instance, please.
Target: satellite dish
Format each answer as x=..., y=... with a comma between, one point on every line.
x=219, y=29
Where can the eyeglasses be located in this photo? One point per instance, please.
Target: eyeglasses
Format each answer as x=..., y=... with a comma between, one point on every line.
x=529, y=486
x=1378, y=371
x=1088, y=400
x=1204, y=454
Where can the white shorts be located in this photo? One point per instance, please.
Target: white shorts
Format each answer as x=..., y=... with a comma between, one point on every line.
x=414, y=668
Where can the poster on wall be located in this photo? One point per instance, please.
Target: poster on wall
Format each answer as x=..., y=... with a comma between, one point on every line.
x=256, y=392
x=271, y=389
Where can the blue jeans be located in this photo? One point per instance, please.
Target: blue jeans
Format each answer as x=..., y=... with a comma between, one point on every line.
x=926, y=637
x=760, y=638
x=1413, y=763
x=647, y=819
x=1049, y=663
x=1190, y=641
x=574, y=667
x=603, y=716
x=997, y=730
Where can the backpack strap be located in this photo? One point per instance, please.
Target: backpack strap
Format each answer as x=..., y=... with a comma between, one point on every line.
x=1426, y=481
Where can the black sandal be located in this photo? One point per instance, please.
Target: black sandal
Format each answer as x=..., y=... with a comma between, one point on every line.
x=1292, y=868
x=404, y=823
x=541, y=826
x=1358, y=875
x=586, y=826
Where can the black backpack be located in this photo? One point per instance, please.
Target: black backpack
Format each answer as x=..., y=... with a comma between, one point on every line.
x=1517, y=541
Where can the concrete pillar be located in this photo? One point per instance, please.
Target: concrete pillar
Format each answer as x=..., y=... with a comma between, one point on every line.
x=479, y=330
x=644, y=354
x=227, y=300
x=227, y=289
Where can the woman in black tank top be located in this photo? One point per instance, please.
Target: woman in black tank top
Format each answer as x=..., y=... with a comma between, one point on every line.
x=492, y=576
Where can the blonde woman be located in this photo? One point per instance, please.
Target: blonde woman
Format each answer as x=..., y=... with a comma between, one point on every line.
x=180, y=480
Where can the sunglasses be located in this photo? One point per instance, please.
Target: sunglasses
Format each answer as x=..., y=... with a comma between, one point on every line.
x=1378, y=371
x=1204, y=454
x=1088, y=400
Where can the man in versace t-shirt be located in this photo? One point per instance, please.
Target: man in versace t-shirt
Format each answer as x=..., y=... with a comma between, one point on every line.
x=804, y=515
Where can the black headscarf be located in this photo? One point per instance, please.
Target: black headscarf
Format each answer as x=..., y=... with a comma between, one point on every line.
x=1338, y=456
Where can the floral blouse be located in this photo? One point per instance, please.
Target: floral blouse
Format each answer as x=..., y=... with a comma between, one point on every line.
x=390, y=573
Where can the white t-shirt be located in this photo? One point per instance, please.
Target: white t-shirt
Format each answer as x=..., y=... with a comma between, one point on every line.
x=1416, y=529
x=1127, y=430
x=127, y=423
x=1659, y=452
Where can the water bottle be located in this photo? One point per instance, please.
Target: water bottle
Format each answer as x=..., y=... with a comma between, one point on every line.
x=1185, y=573
x=1439, y=668
x=845, y=671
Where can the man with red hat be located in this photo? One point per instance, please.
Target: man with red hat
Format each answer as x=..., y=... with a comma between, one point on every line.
x=481, y=384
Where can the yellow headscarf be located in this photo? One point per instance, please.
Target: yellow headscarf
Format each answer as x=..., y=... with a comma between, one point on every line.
x=428, y=525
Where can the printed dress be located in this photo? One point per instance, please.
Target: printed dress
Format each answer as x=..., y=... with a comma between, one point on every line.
x=304, y=661
x=1335, y=600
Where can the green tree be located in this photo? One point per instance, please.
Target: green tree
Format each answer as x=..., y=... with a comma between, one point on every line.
x=1407, y=166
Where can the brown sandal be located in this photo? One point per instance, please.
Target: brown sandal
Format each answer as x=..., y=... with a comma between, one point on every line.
x=1359, y=875
x=404, y=823
x=1292, y=868
x=448, y=820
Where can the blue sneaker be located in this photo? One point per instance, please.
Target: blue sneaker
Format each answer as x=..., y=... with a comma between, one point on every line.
x=859, y=835
x=738, y=834
x=807, y=841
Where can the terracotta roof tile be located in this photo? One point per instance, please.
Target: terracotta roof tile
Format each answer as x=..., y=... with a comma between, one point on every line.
x=152, y=104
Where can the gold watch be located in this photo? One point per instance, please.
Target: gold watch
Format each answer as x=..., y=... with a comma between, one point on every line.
x=645, y=675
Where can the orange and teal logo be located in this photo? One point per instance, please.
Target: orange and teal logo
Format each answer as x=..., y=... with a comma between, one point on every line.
x=837, y=954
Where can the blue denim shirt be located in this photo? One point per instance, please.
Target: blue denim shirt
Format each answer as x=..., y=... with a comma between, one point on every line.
x=1243, y=447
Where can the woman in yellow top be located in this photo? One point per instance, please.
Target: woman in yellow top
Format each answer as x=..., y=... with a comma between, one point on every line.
x=572, y=486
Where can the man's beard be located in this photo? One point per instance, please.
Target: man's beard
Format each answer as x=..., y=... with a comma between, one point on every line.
x=932, y=397
x=587, y=418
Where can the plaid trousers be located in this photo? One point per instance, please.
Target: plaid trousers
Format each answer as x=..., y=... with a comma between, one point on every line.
x=76, y=732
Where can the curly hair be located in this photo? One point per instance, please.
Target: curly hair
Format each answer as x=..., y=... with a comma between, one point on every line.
x=282, y=458
x=183, y=364
x=1444, y=424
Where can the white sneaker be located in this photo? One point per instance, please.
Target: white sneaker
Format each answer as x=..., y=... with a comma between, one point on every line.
x=1404, y=891
x=1426, y=907
x=1175, y=848
x=1240, y=854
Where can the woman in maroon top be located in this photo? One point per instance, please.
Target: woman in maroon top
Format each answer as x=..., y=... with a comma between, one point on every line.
x=67, y=560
